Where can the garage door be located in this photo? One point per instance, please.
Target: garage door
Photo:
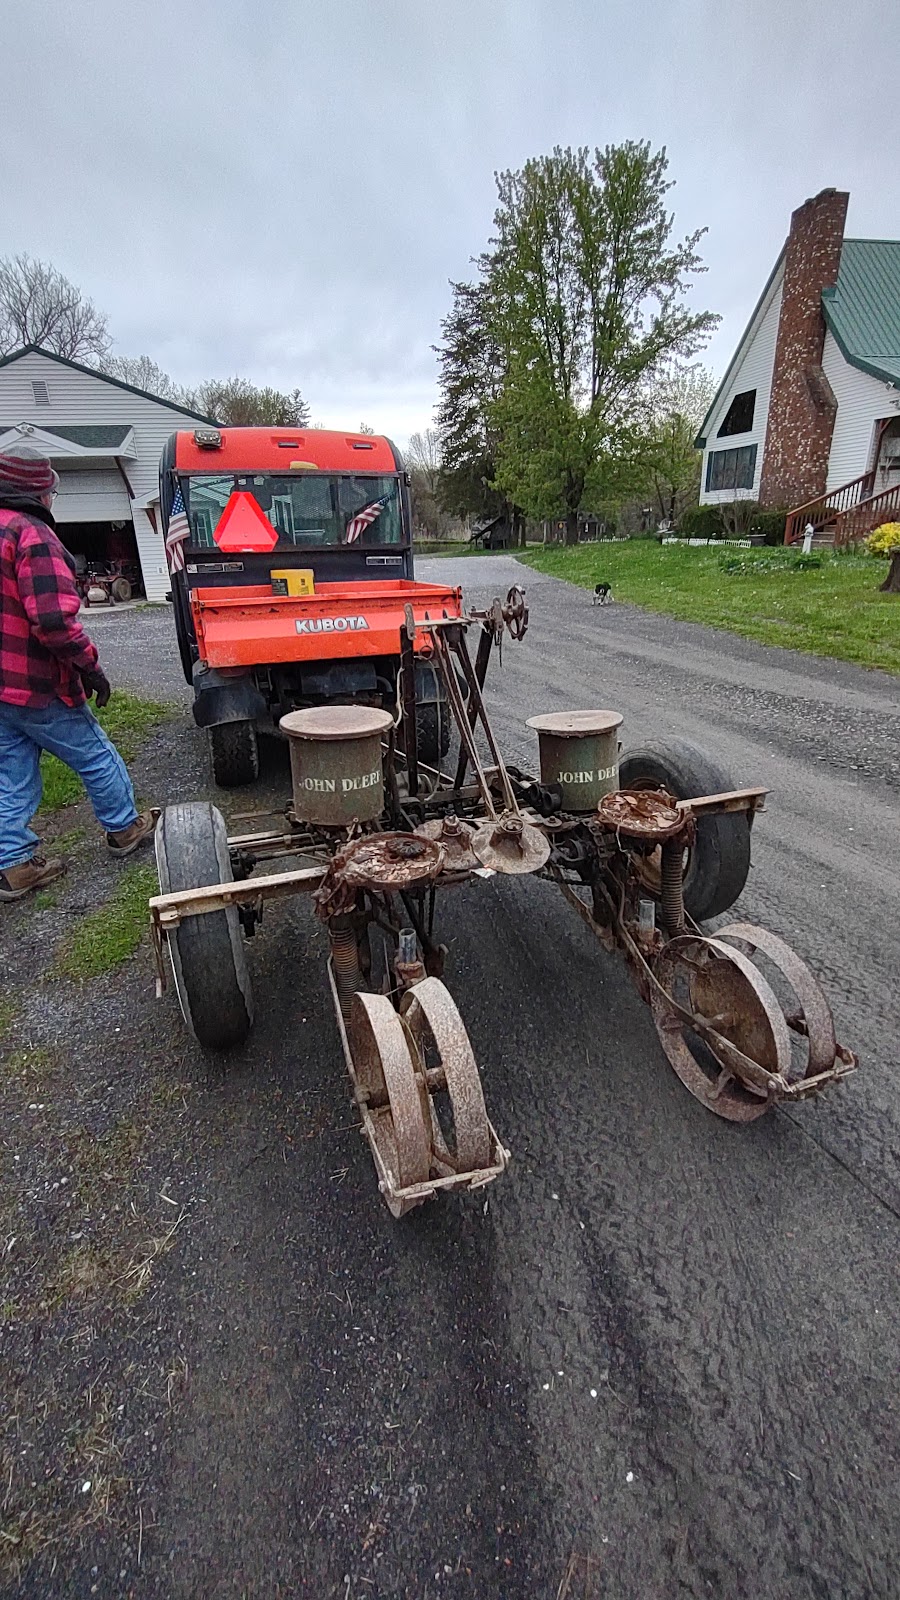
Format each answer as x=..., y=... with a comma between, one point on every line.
x=92, y=495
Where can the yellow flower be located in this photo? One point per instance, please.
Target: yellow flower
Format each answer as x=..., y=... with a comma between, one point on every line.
x=884, y=540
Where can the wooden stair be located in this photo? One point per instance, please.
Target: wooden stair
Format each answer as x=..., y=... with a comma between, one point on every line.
x=844, y=515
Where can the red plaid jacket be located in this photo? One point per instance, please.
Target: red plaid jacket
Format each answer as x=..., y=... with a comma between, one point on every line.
x=43, y=647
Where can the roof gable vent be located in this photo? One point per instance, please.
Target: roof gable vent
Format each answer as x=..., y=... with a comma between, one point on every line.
x=40, y=391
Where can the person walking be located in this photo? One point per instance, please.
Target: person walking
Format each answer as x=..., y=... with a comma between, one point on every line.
x=49, y=670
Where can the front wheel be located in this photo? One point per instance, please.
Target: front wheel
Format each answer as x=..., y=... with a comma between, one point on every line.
x=718, y=862
x=234, y=751
x=207, y=952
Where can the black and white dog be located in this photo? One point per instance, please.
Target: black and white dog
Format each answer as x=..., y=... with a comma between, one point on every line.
x=602, y=595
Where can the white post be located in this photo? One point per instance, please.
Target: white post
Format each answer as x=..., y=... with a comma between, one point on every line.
x=808, y=532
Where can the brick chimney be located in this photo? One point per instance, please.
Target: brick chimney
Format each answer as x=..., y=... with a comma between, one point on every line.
x=802, y=407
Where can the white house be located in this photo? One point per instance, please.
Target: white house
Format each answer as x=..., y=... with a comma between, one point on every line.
x=807, y=416
x=104, y=439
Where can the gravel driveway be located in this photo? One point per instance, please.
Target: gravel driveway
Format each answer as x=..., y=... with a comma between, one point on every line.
x=658, y=1358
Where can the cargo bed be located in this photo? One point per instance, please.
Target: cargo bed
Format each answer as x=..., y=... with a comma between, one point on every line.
x=251, y=626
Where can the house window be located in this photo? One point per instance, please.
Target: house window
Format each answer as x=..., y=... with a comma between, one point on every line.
x=40, y=391
x=739, y=416
x=731, y=469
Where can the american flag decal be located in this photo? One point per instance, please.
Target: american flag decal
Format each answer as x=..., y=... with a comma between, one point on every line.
x=179, y=528
x=364, y=519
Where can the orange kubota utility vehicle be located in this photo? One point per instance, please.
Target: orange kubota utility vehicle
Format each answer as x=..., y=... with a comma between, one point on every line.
x=292, y=571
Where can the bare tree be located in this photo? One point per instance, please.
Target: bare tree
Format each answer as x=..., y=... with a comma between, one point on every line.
x=677, y=400
x=142, y=372
x=39, y=306
x=424, y=456
x=237, y=403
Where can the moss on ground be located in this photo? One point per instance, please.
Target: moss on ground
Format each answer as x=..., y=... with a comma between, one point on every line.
x=9, y=1010
x=64, y=842
x=108, y=936
x=32, y=1063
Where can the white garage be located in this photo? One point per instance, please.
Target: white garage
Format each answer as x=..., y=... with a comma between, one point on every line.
x=105, y=439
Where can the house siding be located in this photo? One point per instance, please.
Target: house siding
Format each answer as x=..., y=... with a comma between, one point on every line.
x=753, y=371
x=78, y=398
x=862, y=400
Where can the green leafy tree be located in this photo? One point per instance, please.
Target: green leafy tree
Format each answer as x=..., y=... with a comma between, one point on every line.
x=585, y=292
x=472, y=370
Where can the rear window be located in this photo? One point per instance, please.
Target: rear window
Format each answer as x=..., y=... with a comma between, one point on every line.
x=308, y=510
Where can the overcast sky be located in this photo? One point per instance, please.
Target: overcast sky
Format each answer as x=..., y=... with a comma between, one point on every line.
x=283, y=189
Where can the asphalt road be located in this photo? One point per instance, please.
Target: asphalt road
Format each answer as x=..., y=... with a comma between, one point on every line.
x=659, y=1358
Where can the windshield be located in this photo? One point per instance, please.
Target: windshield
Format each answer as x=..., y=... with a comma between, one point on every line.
x=311, y=509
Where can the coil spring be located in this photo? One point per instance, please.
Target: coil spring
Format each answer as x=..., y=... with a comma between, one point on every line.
x=345, y=960
x=671, y=874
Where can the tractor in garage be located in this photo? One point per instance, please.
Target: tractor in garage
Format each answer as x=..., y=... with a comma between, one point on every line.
x=252, y=515
x=645, y=847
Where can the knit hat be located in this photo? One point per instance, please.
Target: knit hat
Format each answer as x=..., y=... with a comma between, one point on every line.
x=25, y=475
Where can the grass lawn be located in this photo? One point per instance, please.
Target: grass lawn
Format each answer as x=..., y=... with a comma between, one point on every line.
x=127, y=720
x=112, y=933
x=827, y=604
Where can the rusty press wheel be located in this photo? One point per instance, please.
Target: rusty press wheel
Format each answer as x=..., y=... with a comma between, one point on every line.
x=443, y=1055
x=398, y=1105
x=725, y=989
x=812, y=1021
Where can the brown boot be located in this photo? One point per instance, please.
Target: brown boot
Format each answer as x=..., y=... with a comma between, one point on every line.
x=16, y=882
x=131, y=838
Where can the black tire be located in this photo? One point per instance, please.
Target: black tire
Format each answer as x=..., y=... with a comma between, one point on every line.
x=432, y=732
x=207, y=953
x=184, y=630
x=234, y=752
x=719, y=861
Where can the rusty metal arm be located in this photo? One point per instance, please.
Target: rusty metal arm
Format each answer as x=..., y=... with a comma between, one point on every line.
x=168, y=910
x=482, y=657
x=466, y=731
x=461, y=649
x=703, y=805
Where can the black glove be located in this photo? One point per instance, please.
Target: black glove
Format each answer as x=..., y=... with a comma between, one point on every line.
x=96, y=683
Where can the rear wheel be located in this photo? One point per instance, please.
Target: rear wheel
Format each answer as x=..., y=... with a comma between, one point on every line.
x=207, y=952
x=121, y=589
x=432, y=732
x=234, y=750
x=717, y=864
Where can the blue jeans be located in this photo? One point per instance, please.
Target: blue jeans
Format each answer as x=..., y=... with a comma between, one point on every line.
x=74, y=734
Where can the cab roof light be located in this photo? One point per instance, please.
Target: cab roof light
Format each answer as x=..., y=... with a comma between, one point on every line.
x=362, y=444
x=207, y=438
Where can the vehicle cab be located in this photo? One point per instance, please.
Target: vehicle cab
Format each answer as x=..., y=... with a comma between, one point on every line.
x=265, y=515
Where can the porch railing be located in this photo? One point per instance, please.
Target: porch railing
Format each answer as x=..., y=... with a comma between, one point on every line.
x=827, y=508
x=868, y=515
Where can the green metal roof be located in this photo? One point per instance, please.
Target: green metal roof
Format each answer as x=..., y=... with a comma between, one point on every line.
x=862, y=311
x=863, y=308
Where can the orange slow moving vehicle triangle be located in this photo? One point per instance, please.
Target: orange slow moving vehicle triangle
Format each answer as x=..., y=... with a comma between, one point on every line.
x=244, y=526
